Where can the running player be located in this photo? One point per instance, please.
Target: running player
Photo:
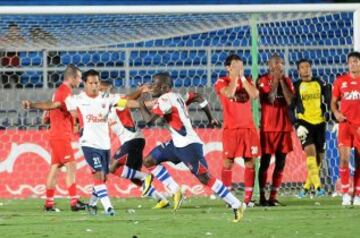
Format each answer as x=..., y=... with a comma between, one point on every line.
x=185, y=145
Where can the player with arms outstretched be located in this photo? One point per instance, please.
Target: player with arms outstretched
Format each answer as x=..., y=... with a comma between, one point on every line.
x=61, y=131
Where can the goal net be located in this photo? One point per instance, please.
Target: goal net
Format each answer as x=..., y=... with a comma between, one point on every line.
x=129, y=49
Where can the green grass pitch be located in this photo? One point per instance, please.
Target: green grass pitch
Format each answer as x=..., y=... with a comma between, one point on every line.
x=198, y=217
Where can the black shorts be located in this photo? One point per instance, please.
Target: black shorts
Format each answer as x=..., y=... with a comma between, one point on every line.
x=316, y=135
x=132, y=152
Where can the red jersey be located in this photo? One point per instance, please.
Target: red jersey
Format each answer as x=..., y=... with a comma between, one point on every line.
x=274, y=116
x=61, y=121
x=347, y=90
x=237, y=113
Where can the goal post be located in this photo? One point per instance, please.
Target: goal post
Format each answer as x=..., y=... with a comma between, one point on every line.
x=128, y=44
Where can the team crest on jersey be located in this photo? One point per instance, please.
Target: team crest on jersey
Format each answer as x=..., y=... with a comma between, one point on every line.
x=344, y=85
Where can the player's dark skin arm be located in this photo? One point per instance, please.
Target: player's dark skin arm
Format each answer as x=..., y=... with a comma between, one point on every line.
x=274, y=87
x=286, y=91
x=291, y=109
x=198, y=98
x=327, y=95
x=137, y=93
x=148, y=116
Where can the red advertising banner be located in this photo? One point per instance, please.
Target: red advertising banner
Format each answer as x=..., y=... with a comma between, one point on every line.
x=25, y=159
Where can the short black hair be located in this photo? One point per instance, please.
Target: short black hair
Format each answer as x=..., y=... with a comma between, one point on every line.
x=90, y=72
x=165, y=78
x=71, y=71
x=302, y=61
x=230, y=58
x=355, y=54
x=12, y=24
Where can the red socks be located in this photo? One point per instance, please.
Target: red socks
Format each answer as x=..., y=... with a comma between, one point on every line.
x=344, y=173
x=226, y=177
x=277, y=178
x=249, y=176
x=49, y=202
x=72, y=194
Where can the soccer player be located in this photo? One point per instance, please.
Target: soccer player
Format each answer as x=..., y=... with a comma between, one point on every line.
x=185, y=145
x=240, y=137
x=311, y=101
x=346, y=92
x=276, y=93
x=130, y=154
x=61, y=132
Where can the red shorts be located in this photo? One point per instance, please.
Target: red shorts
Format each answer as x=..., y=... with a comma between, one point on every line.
x=61, y=151
x=272, y=142
x=349, y=135
x=241, y=143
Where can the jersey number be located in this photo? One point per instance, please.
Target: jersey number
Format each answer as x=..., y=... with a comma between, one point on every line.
x=97, y=162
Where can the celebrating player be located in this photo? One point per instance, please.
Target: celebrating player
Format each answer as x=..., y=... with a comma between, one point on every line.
x=130, y=154
x=346, y=91
x=311, y=100
x=276, y=92
x=61, y=132
x=240, y=137
x=185, y=145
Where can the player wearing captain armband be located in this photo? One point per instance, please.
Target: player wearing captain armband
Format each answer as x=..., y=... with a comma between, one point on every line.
x=345, y=104
x=309, y=105
x=127, y=160
x=185, y=145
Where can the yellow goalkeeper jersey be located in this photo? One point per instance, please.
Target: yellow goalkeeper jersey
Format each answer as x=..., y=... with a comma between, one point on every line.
x=311, y=98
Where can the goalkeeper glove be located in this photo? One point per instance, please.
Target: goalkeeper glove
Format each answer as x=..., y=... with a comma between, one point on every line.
x=302, y=132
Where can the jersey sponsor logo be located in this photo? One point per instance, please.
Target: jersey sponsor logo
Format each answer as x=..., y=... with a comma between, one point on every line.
x=91, y=118
x=310, y=96
x=351, y=96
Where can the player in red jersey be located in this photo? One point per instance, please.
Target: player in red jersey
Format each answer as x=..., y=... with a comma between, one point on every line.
x=240, y=137
x=346, y=92
x=276, y=93
x=61, y=131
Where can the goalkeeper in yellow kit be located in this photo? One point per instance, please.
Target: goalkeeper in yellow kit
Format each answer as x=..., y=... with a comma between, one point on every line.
x=308, y=109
